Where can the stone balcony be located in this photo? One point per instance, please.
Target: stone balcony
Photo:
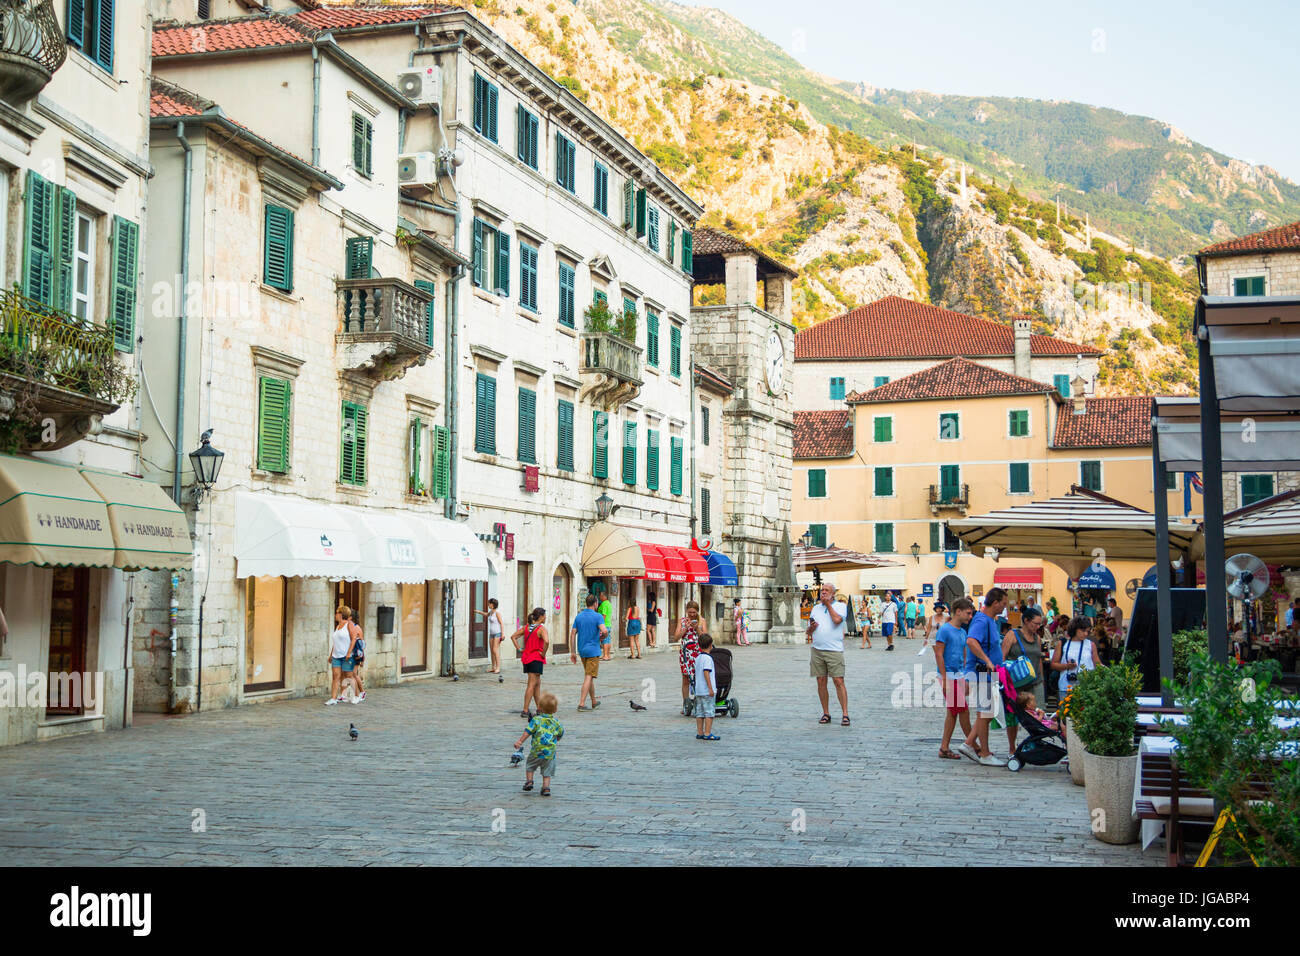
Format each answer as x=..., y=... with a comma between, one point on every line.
x=31, y=48
x=949, y=498
x=610, y=370
x=382, y=327
x=59, y=375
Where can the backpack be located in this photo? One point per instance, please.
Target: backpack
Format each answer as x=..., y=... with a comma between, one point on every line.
x=359, y=652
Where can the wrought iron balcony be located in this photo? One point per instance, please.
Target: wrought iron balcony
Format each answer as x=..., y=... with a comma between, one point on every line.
x=31, y=47
x=949, y=498
x=55, y=366
x=383, y=327
x=611, y=369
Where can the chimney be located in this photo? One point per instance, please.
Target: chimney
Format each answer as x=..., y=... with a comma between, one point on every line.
x=1021, y=329
x=1078, y=394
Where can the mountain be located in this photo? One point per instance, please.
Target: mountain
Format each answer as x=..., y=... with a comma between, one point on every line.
x=864, y=195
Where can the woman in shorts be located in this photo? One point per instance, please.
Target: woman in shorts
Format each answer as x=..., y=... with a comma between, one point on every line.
x=651, y=618
x=495, y=634
x=341, y=650
x=532, y=654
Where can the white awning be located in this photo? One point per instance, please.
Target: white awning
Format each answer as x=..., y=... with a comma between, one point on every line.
x=452, y=551
x=391, y=550
x=282, y=535
x=1268, y=529
x=883, y=579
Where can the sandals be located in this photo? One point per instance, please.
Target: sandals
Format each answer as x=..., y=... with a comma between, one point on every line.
x=844, y=721
x=710, y=737
x=825, y=719
x=528, y=786
x=949, y=755
x=546, y=791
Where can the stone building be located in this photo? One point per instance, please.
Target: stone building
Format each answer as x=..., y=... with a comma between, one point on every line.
x=75, y=524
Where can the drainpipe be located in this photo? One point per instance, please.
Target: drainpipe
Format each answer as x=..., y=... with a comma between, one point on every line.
x=182, y=351
x=315, y=106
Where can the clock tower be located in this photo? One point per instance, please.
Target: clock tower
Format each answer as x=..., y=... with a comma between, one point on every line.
x=749, y=339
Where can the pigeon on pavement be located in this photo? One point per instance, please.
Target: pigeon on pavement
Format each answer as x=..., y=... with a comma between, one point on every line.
x=353, y=733
x=635, y=705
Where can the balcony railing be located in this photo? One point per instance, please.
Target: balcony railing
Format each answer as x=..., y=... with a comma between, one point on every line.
x=613, y=367
x=383, y=326
x=954, y=497
x=52, y=347
x=31, y=47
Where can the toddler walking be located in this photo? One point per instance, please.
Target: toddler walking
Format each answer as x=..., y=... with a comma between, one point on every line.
x=546, y=731
x=706, y=691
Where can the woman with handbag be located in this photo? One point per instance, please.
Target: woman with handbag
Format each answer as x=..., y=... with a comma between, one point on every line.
x=634, y=630
x=1024, y=643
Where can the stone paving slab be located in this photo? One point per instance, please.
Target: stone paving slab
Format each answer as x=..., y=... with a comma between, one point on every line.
x=281, y=783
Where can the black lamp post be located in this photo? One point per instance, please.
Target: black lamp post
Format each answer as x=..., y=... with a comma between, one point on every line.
x=206, y=462
x=807, y=538
x=916, y=552
x=604, y=506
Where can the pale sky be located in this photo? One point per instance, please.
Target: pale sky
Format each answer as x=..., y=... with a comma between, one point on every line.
x=1226, y=74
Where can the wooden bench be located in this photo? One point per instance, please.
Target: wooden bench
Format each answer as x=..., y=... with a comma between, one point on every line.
x=1164, y=795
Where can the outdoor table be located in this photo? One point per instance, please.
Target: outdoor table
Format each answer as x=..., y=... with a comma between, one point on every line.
x=1153, y=720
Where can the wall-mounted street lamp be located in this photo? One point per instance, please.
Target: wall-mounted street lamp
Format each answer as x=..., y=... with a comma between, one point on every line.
x=206, y=462
x=604, y=506
x=916, y=552
x=807, y=538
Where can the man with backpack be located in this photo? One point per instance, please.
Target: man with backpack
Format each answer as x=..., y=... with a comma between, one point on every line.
x=983, y=657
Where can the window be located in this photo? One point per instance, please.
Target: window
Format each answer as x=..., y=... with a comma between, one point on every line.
x=1171, y=480
x=672, y=239
x=414, y=455
x=440, y=480
x=273, y=424
x=652, y=459
x=706, y=519
x=528, y=277
x=1018, y=479
x=352, y=453
x=424, y=285
x=277, y=259
x=490, y=257
x=629, y=203
x=704, y=424
x=566, y=155
x=1255, y=488
x=363, y=135
x=564, y=440
x=485, y=107
x=205, y=9
x=641, y=203
x=566, y=295
x=651, y=339
x=526, y=136
x=265, y=600
x=600, y=444
x=358, y=252
x=675, y=464
x=90, y=29
x=816, y=482
x=126, y=236
x=688, y=255
x=884, y=483
x=949, y=482
x=598, y=296
x=818, y=535
x=527, y=426
x=652, y=230
x=675, y=350
x=883, y=428
x=884, y=537
x=485, y=414
x=1062, y=385
x=629, y=453
x=1018, y=423
x=629, y=306
x=936, y=537
x=837, y=389
x=1248, y=285
x=1090, y=475
x=949, y=426
x=83, y=269
x=880, y=380
x=600, y=199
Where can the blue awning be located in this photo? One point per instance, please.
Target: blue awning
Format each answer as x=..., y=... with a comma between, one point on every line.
x=722, y=570
x=1096, y=578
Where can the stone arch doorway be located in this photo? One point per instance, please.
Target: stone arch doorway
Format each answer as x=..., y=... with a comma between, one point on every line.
x=951, y=587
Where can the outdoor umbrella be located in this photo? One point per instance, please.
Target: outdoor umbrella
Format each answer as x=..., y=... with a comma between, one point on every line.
x=1268, y=529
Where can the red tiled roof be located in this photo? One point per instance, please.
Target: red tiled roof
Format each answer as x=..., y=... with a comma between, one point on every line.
x=711, y=242
x=245, y=33
x=894, y=327
x=363, y=15
x=956, y=378
x=1278, y=239
x=715, y=379
x=823, y=434
x=1120, y=422
x=167, y=99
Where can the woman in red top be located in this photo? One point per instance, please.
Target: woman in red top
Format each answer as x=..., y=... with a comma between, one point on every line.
x=532, y=655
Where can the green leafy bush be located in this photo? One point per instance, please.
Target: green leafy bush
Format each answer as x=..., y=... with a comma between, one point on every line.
x=1104, y=710
x=601, y=318
x=1187, y=643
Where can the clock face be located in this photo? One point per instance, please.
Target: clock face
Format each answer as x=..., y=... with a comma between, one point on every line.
x=774, y=368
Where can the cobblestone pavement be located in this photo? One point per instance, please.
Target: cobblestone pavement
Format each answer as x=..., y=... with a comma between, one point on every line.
x=282, y=783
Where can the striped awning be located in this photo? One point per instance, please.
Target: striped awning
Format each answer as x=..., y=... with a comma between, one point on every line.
x=1019, y=579
x=722, y=570
x=611, y=551
x=1268, y=529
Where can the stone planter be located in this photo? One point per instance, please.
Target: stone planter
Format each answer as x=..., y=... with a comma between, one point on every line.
x=1110, y=789
x=1074, y=748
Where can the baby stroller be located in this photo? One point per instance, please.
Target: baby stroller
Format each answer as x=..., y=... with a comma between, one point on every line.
x=725, y=703
x=1043, y=747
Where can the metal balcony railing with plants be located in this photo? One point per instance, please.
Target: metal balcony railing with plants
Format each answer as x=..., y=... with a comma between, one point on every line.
x=611, y=361
x=32, y=47
x=383, y=325
x=954, y=497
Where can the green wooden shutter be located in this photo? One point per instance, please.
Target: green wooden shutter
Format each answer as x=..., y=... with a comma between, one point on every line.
x=485, y=415
x=77, y=23
x=425, y=285
x=600, y=445
x=527, y=426
x=640, y=213
x=816, y=482
x=104, y=44
x=38, y=254
x=629, y=453
x=706, y=507
x=949, y=481
x=521, y=132
x=884, y=538
x=566, y=295
x=629, y=202
x=273, y=424
x=936, y=539
x=884, y=485
x=688, y=254
x=359, y=143
x=440, y=480
x=675, y=349
x=818, y=535
x=413, y=443
x=704, y=425
x=503, y=263
x=884, y=428
x=672, y=240
x=359, y=251
x=479, y=258
x=277, y=258
x=564, y=439
x=1253, y=488
x=352, y=455
x=126, y=238
x=652, y=459
x=1019, y=477
x=64, y=245
x=949, y=426
x=652, y=215
x=528, y=277
x=480, y=97
x=675, y=464
x=491, y=118
x=651, y=339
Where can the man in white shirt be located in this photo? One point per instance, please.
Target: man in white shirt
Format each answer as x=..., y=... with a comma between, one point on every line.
x=888, y=620
x=826, y=635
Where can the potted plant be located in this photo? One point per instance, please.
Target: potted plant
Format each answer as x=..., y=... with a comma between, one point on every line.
x=1071, y=707
x=1105, y=727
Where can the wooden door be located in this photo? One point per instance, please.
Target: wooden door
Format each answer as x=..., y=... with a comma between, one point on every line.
x=69, y=607
x=674, y=608
x=626, y=594
x=348, y=594
x=478, y=642
x=561, y=609
x=415, y=628
x=523, y=592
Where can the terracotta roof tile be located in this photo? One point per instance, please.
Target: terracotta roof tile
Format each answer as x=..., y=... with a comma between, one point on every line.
x=167, y=99
x=712, y=242
x=245, y=33
x=894, y=327
x=1119, y=422
x=823, y=434
x=1278, y=239
x=956, y=378
x=341, y=16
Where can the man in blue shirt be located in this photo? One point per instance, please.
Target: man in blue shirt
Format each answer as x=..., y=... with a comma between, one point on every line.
x=983, y=657
x=584, y=641
x=950, y=656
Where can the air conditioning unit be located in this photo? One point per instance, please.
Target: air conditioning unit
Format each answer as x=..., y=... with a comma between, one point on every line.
x=417, y=168
x=422, y=85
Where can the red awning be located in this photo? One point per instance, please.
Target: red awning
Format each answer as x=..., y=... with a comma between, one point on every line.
x=1015, y=578
x=695, y=565
x=655, y=569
